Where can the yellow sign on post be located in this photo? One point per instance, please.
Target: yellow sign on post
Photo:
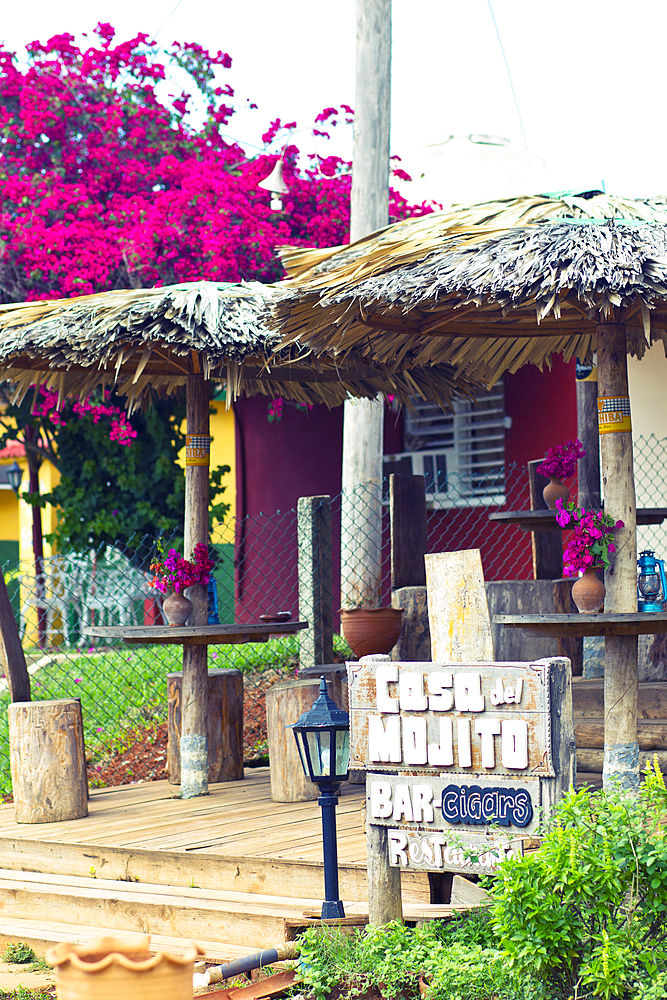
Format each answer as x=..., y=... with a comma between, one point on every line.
x=614, y=414
x=197, y=449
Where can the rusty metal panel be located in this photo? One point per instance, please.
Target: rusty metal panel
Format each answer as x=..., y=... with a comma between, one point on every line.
x=492, y=682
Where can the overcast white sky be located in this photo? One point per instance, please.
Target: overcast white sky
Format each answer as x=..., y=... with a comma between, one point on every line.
x=589, y=75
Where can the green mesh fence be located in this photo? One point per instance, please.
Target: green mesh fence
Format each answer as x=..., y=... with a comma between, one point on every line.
x=123, y=688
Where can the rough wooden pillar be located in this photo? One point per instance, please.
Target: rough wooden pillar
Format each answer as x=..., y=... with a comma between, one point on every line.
x=409, y=542
x=547, y=545
x=225, y=725
x=588, y=467
x=363, y=420
x=385, y=901
x=409, y=531
x=48, y=761
x=315, y=580
x=621, y=751
x=384, y=882
x=194, y=743
x=11, y=651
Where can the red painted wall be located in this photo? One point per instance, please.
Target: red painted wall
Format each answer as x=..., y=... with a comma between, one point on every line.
x=543, y=408
x=301, y=455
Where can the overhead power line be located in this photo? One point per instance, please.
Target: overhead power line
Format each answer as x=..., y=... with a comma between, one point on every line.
x=509, y=75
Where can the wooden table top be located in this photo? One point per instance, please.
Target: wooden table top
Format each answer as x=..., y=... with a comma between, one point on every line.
x=545, y=520
x=563, y=626
x=196, y=635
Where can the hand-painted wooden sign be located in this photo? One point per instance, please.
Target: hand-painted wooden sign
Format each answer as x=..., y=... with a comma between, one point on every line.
x=461, y=761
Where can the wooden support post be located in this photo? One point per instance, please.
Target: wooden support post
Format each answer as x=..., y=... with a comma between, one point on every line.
x=409, y=542
x=409, y=533
x=313, y=528
x=414, y=642
x=11, y=651
x=194, y=743
x=547, y=545
x=384, y=881
x=588, y=467
x=225, y=725
x=621, y=762
x=361, y=506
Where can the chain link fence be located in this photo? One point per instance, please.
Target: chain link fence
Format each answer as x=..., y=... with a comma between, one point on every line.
x=123, y=688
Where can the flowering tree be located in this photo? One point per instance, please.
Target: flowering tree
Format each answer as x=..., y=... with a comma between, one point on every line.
x=105, y=185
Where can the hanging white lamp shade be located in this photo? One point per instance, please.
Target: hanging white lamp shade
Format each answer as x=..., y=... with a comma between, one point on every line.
x=275, y=182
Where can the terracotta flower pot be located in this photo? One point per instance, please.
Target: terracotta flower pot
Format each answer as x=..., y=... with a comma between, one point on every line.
x=177, y=608
x=109, y=968
x=588, y=591
x=371, y=630
x=554, y=489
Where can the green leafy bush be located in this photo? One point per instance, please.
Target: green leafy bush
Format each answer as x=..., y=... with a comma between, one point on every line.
x=455, y=966
x=587, y=911
x=19, y=953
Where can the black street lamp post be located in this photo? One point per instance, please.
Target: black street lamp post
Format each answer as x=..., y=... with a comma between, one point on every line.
x=323, y=740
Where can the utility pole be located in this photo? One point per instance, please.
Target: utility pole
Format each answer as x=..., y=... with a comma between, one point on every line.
x=361, y=508
x=361, y=515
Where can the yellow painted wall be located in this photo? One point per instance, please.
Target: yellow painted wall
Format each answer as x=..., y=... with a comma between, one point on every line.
x=648, y=393
x=9, y=515
x=223, y=452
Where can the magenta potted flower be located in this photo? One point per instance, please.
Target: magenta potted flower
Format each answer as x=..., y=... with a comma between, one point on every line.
x=589, y=549
x=558, y=464
x=173, y=574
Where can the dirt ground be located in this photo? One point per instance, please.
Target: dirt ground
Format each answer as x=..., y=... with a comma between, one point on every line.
x=12, y=976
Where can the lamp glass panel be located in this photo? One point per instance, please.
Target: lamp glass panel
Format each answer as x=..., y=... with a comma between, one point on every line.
x=319, y=745
x=342, y=751
x=302, y=757
x=649, y=584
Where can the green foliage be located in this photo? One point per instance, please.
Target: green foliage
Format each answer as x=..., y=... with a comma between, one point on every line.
x=393, y=957
x=19, y=953
x=110, y=493
x=587, y=912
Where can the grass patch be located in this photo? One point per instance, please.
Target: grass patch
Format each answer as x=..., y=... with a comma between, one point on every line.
x=124, y=688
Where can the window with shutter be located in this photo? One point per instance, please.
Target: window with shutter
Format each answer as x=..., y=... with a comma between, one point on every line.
x=461, y=454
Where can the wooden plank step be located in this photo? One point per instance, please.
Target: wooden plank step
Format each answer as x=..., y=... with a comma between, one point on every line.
x=267, y=875
x=588, y=699
x=40, y=935
x=236, y=918
x=651, y=734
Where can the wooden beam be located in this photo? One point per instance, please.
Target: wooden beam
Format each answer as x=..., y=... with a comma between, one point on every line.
x=194, y=725
x=11, y=650
x=409, y=541
x=620, y=680
x=547, y=545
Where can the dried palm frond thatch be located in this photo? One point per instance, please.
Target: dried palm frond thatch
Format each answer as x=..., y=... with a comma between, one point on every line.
x=485, y=300
x=143, y=340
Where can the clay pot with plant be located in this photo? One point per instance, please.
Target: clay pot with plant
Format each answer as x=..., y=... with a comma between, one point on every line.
x=590, y=548
x=558, y=464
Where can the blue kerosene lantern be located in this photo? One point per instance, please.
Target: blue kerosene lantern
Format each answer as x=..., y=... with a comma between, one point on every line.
x=651, y=582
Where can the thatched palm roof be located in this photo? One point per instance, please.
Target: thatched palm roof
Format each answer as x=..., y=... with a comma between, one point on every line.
x=143, y=339
x=485, y=298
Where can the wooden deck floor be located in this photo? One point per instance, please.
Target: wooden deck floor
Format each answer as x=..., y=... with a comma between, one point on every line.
x=236, y=819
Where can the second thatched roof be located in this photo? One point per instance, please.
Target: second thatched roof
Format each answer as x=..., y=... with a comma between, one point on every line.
x=145, y=340
x=483, y=298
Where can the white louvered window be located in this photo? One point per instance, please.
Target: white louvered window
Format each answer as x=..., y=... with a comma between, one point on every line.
x=460, y=455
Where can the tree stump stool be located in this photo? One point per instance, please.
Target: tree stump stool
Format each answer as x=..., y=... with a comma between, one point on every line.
x=48, y=760
x=225, y=725
x=285, y=702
